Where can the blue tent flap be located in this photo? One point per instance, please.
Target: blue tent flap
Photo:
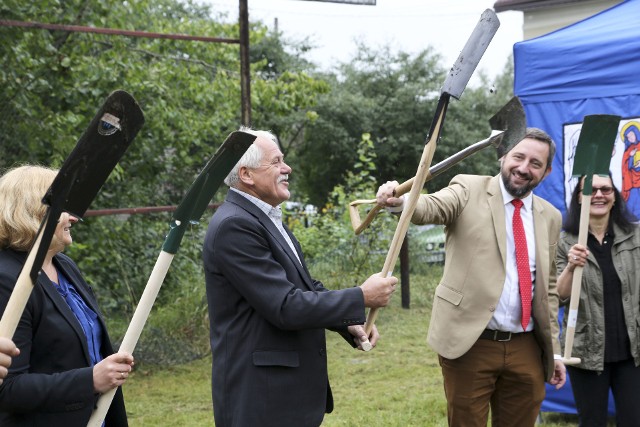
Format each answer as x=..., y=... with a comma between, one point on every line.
x=596, y=57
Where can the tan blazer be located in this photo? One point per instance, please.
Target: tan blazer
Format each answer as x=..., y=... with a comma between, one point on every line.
x=472, y=209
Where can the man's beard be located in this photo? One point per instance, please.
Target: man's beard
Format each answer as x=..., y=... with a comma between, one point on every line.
x=516, y=191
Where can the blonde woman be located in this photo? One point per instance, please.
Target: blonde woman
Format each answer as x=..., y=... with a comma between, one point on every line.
x=66, y=359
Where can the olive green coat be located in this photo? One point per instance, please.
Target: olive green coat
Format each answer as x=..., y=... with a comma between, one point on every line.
x=588, y=343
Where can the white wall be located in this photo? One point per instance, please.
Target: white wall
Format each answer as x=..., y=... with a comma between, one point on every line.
x=542, y=21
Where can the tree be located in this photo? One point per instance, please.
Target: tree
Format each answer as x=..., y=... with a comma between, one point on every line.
x=54, y=81
x=380, y=92
x=392, y=96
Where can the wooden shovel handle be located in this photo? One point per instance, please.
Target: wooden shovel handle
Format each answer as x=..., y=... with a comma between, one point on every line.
x=405, y=187
x=576, y=285
x=134, y=330
x=407, y=213
x=20, y=294
x=358, y=224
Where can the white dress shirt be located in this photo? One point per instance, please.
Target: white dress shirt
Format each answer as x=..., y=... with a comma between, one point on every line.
x=508, y=312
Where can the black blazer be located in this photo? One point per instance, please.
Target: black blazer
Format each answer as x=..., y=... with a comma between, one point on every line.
x=51, y=382
x=267, y=318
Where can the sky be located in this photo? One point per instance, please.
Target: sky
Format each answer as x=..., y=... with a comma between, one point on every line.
x=404, y=25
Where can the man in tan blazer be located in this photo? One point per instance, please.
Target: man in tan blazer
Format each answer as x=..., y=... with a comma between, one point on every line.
x=492, y=353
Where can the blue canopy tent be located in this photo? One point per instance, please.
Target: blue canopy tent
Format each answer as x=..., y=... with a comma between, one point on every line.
x=590, y=67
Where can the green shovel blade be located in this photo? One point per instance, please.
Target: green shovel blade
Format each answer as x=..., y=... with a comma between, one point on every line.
x=205, y=186
x=595, y=145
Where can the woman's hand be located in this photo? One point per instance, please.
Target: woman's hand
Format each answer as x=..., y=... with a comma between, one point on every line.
x=112, y=372
x=577, y=257
x=7, y=350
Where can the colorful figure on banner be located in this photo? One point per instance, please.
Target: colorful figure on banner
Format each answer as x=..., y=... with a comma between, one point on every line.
x=630, y=134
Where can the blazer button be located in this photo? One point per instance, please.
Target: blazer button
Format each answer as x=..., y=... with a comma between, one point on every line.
x=492, y=308
x=321, y=352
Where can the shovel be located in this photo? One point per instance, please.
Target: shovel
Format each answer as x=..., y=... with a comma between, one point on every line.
x=593, y=157
x=512, y=122
x=453, y=86
x=77, y=183
x=188, y=213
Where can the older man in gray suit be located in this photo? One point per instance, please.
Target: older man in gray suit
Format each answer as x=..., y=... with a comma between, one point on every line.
x=268, y=316
x=494, y=319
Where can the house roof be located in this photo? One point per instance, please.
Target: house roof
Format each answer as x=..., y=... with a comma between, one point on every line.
x=522, y=5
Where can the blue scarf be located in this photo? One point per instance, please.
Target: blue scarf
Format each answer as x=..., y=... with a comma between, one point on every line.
x=88, y=318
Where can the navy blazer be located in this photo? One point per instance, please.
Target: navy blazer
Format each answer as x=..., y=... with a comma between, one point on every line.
x=267, y=322
x=51, y=382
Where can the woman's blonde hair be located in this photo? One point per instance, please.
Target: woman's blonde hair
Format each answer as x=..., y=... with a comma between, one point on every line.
x=21, y=208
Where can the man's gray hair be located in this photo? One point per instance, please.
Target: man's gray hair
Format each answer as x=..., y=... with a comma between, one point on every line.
x=251, y=158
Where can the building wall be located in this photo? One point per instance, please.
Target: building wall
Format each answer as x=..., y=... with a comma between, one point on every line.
x=542, y=21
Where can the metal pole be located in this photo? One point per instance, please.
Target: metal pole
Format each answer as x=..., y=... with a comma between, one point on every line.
x=113, y=31
x=245, y=76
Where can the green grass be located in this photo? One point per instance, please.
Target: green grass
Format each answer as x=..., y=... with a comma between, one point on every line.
x=397, y=384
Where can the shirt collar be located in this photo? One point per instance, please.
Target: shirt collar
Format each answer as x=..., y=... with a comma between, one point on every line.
x=507, y=197
x=262, y=205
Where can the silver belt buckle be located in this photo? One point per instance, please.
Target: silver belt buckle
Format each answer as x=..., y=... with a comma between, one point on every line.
x=505, y=340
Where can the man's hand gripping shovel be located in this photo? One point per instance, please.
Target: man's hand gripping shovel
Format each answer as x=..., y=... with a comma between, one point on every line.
x=454, y=85
x=592, y=157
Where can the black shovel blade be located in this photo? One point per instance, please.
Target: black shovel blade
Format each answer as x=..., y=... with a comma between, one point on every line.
x=205, y=186
x=212, y=175
x=95, y=155
x=512, y=120
x=595, y=145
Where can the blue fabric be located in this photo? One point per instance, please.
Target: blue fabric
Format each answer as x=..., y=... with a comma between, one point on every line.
x=593, y=58
x=88, y=318
x=589, y=67
x=562, y=400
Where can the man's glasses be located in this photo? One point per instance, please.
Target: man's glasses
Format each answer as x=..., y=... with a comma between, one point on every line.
x=606, y=190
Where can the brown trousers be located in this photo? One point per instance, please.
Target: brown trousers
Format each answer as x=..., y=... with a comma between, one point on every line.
x=506, y=376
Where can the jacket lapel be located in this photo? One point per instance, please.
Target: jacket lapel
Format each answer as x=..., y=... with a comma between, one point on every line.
x=496, y=203
x=542, y=249
x=62, y=306
x=275, y=233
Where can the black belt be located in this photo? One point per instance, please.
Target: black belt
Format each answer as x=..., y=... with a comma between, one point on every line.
x=490, y=334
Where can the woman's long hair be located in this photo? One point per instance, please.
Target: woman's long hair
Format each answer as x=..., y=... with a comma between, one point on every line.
x=619, y=215
x=21, y=208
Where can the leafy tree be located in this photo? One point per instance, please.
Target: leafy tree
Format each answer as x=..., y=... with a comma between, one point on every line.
x=393, y=96
x=54, y=81
x=380, y=92
x=335, y=254
x=291, y=103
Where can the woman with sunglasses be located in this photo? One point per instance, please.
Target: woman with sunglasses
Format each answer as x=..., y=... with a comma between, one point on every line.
x=607, y=335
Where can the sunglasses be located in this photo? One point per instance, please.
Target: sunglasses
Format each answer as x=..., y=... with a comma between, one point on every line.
x=606, y=190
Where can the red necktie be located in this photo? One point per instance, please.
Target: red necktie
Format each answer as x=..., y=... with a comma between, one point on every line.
x=522, y=261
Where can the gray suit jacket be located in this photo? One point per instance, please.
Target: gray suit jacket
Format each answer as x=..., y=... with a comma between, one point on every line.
x=472, y=209
x=267, y=318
